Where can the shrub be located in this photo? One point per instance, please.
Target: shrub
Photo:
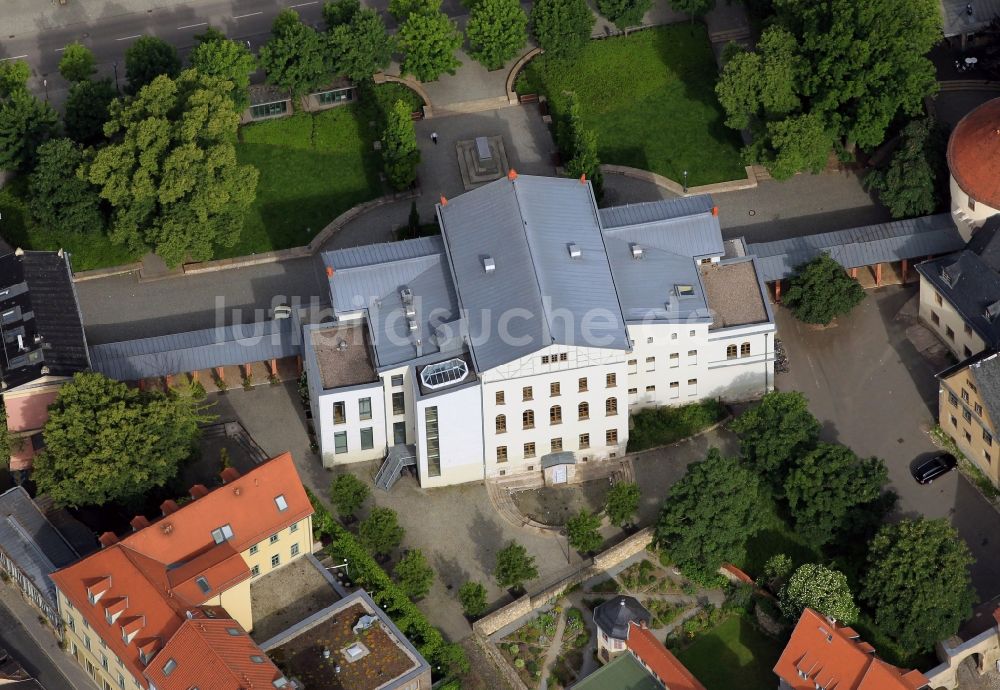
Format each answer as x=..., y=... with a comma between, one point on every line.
x=660, y=426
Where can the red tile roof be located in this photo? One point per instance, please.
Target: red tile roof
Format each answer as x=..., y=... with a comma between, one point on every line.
x=834, y=656
x=158, y=567
x=207, y=655
x=974, y=153
x=659, y=660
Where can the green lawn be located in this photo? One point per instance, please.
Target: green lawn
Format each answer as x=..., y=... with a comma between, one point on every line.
x=651, y=98
x=733, y=655
x=312, y=169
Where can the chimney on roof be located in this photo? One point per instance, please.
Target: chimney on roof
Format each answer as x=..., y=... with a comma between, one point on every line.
x=168, y=507
x=329, y=271
x=512, y=174
x=636, y=250
x=139, y=522
x=198, y=491
x=229, y=474
x=107, y=539
x=574, y=250
x=444, y=200
x=715, y=210
x=489, y=265
x=583, y=178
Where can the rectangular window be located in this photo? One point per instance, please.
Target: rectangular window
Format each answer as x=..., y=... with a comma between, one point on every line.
x=967, y=351
x=582, y=385
x=673, y=336
x=978, y=408
x=365, y=408
x=972, y=204
x=340, y=442
x=527, y=394
x=953, y=399
x=675, y=389
x=649, y=340
x=675, y=359
x=954, y=421
x=968, y=437
x=966, y=415
x=584, y=441
x=254, y=549
x=501, y=453
x=339, y=412
x=650, y=389
x=692, y=356
x=968, y=329
x=935, y=319
x=611, y=407
x=965, y=395
x=950, y=333
x=545, y=359
x=972, y=386
x=396, y=380
x=500, y=398
x=692, y=386
x=554, y=389
x=611, y=437
x=258, y=112
x=399, y=432
x=121, y=680
x=529, y=450
x=555, y=445
x=730, y=352
x=563, y=356
x=555, y=415
x=433, y=442
x=937, y=299
x=222, y=534
x=987, y=437
x=398, y=403
x=367, y=438
x=295, y=550
x=336, y=96
x=611, y=380
x=274, y=538
x=987, y=458
x=294, y=527
x=651, y=364
x=528, y=419
x=633, y=366
x=275, y=561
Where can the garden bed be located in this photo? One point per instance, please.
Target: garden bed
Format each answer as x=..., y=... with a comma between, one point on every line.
x=525, y=648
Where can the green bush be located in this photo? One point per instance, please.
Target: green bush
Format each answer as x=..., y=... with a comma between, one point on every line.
x=661, y=426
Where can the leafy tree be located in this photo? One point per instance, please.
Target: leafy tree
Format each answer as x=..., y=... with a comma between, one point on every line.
x=106, y=442
x=918, y=582
x=217, y=56
x=428, y=42
x=624, y=13
x=582, y=142
x=413, y=574
x=582, y=532
x=514, y=567
x=86, y=110
x=909, y=185
x=348, y=493
x=337, y=12
x=826, y=486
x=401, y=10
x=381, y=532
x=6, y=448
x=777, y=568
x=761, y=83
x=709, y=515
x=695, y=8
x=148, y=58
x=296, y=57
x=25, y=124
x=622, y=502
x=775, y=433
x=77, y=63
x=14, y=76
x=497, y=31
x=472, y=595
x=400, y=155
x=361, y=46
x=821, y=589
x=562, y=27
x=797, y=143
x=821, y=291
x=170, y=172
x=59, y=196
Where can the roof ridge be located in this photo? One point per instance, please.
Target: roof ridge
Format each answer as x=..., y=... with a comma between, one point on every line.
x=546, y=304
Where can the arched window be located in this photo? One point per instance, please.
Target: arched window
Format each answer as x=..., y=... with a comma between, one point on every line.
x=528, y=419
x=745, y=350
x=501, y=423
x=730, y=352
x=611, y=407
x=583, y=411
x=555, y=415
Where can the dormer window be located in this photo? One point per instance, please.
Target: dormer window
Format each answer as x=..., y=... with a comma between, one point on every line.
x=203, y=585
x=280, y=501
x=221, y=534
x=169, y=667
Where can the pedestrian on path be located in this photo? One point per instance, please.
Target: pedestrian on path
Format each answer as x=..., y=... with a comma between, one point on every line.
x=434, y=137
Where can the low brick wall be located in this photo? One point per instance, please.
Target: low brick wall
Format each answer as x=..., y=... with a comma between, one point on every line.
x=515, y=70
x=674, y=188
x=80, y=276
x=638, y=542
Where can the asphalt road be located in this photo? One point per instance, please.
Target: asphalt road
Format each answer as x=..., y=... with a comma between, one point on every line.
x=15, y=639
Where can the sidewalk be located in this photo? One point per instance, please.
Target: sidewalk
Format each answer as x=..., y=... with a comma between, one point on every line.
x=48, y=658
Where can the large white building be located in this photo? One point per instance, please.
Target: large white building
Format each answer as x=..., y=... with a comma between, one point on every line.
x=526, y=333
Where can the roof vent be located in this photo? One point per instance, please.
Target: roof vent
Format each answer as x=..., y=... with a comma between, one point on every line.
x=412, y=323
x=406, y=294
x=636, y=250
x=341, y=346
x=992, y=310
x=166, y=528
x=574, y=250
x=489, y=265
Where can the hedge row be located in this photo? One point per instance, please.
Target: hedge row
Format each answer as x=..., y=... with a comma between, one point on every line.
x=445, y=658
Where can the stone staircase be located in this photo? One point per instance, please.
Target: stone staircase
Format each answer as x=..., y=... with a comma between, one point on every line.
x=477, y=106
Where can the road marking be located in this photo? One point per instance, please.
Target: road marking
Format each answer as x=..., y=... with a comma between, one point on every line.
x=128, y=38
x=191, y=26
x=16, y=57
x=303, y=4
x=248, y=15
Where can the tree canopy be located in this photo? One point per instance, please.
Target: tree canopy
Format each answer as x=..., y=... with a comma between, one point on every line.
x=76, y=63
x=361, y=46
x=582, y=532
x=170, y=172
x=381, y=532
x=347, y=493
x=624, y=13
x=148, y=58
x=826, y=487
x=217, y=56
x=413, y=574
x=709, y=515
x=775, y=433
x=86, y=110
x=910, y=185
x=25, y=124
x=514, y=566
x=337, y=12
x=821, y=589
x=472, y=596
x=296, y=57
x=622, y=502
x=821, y=291
x=58, y=195
x=14, y=76
x=400, y=155
x=428, y=41
x=497, y=31
x=918, y=582
x=108, y=443
x=561, y=27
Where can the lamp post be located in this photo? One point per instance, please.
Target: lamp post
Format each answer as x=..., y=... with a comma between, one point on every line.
x=117, y=88
x=45, y=83
x=685, y=181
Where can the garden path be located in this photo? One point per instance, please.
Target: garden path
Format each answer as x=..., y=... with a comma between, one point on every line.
x=553, y=651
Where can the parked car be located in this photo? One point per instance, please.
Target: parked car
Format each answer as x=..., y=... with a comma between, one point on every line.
x=282, y=311
x=929, y=470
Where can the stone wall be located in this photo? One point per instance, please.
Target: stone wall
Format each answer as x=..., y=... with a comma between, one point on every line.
x=494, y=655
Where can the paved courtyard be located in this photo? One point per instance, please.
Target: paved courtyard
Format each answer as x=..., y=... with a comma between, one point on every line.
x=874, y=392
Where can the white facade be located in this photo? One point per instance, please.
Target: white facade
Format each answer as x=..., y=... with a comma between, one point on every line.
x=458, y=456
x=938, y=313
x=968, y=213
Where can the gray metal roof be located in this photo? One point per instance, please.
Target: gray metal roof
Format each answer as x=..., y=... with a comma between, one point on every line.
x=647, y=212
x=131, y=360
x=372, y=277
x=864, y=246
x=565, y=457
x=31, y=541
x=970, y=285
x=986, y=372
x=957, y=20
x=538, y=294
x=613, y=616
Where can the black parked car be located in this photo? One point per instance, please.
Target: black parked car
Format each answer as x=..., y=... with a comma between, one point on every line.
x=929, y=470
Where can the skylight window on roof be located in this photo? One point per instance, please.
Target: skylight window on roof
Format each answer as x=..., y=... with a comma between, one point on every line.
x=257, y=659
x=169, y=667
x=221, y=534
x=684, y=290
x=233, y=631
x=203, y=585
x=280, y=501
x=444, y=373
